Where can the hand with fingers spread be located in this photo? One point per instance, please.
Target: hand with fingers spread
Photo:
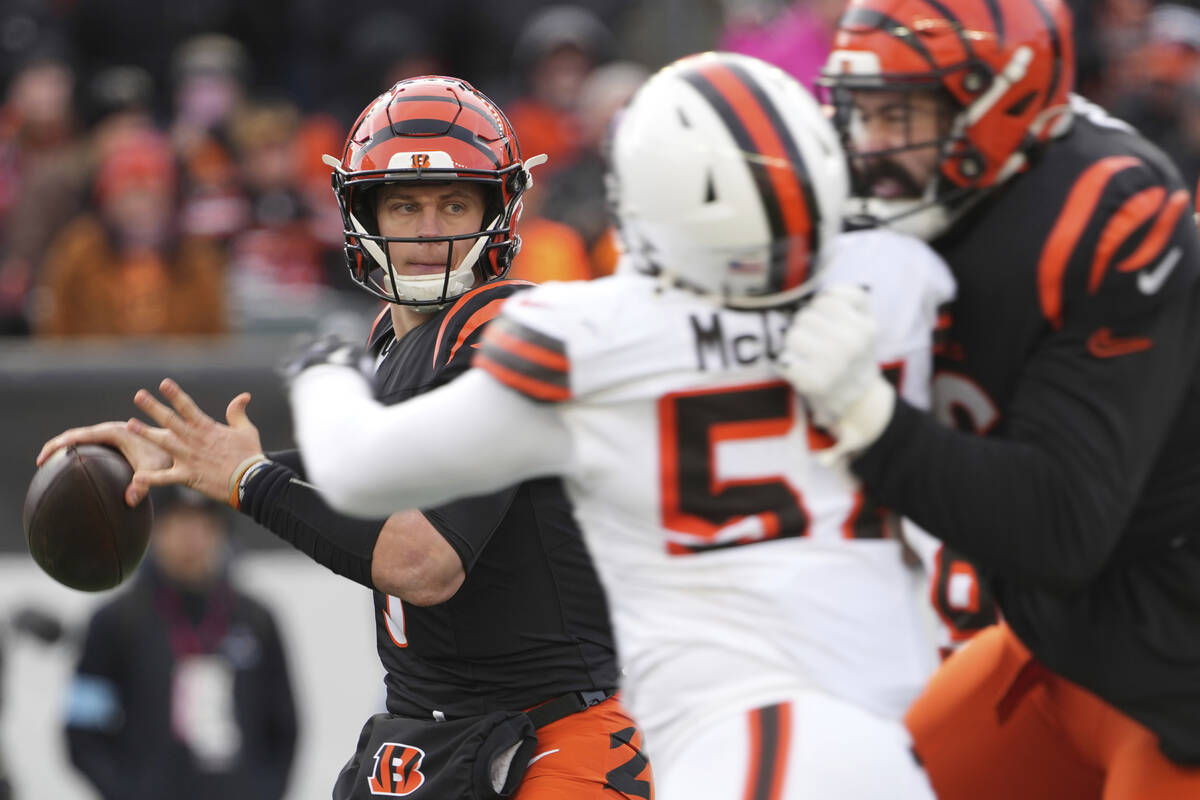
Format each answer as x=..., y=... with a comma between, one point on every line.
x=204, y=453
x=142, y=454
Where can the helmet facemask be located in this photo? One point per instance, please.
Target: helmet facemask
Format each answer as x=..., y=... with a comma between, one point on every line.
x=377, y=273
x=901, y=183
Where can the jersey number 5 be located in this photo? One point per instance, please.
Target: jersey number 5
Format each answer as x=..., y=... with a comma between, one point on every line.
x=695, y=501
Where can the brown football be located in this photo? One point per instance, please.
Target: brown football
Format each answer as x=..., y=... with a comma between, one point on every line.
x=79, y=530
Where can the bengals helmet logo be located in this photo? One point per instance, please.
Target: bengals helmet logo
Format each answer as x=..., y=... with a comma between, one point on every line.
x=397, y=770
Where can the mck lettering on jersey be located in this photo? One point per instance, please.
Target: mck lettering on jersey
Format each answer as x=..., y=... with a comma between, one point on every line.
x=716, y=350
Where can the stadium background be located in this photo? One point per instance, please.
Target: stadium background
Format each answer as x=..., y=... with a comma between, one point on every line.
x=293, y=74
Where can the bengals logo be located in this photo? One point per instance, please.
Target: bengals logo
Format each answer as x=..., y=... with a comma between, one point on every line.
x=420, y=160
x=397, y=770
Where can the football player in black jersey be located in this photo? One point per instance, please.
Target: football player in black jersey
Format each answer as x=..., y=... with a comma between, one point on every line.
x=1071, y=373
x=481, y=605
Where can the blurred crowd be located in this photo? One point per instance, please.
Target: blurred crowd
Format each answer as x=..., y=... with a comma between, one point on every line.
x=160, y=163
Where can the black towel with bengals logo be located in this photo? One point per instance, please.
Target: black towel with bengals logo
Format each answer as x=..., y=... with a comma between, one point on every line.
x=1075, y=338
x=530, y=622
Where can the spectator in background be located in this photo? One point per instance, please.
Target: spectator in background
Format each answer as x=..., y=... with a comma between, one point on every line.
x=559, y=47
x=794, y=37
x=550, y=251
x=1119, y=31
x=209, y=75
x=116, y=101
x=125, y=269
x=576, y=195
x=1159, y=70
x=389, y=46
x=1182, y=143
x=278, y=269
x=182, y=688
x=37, y=127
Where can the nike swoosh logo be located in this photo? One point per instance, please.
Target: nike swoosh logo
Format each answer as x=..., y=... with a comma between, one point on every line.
x=540, y=756
x=1151, y=280
x=1102, y=344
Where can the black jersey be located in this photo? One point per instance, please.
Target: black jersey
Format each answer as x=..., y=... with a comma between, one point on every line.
x=1075, y=339
x=530, y=621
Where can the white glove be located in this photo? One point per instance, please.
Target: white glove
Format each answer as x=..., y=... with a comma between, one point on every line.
x=829, y=358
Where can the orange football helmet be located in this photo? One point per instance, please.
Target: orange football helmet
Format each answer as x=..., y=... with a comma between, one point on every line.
x=434, y=129
x=1007, y=67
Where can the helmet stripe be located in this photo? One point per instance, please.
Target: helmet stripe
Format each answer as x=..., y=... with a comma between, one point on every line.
x=959, y=28
x=997, y=19
x=429, y=131
x=799, y=168
x=1055, y=44
x=743, y=107
x=870, y=18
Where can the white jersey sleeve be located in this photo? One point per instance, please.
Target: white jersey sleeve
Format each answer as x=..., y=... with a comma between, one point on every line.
x=568, y=341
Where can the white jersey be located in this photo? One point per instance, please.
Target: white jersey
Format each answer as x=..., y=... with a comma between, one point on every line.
x=739, y=569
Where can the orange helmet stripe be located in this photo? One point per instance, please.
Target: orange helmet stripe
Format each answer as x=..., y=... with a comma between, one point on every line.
x=776, y=165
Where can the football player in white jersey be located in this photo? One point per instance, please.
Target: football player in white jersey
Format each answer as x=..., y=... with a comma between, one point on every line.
x=766, y=621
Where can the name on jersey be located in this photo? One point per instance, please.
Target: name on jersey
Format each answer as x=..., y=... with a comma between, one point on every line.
x=716, y=349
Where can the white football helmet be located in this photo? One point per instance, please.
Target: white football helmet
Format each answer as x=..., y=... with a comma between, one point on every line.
x=726, y=177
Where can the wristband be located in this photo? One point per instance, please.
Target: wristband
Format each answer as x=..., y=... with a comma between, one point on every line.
x=238, y=475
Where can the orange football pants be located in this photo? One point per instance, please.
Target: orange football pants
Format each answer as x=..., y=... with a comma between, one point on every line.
x=993, y=724
x=594, y=754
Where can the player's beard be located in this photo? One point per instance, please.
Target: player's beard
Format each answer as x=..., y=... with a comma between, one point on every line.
x=870, y=173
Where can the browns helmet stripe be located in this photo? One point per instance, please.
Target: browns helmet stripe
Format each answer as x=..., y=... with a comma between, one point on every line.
x=870, y=18
x=798, y=167
x=755, y=132
x=1069, y=227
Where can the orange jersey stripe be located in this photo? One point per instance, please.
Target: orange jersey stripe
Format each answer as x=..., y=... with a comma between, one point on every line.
x=776, y=163
x=462, y=301
x=485, y=314
x=528, y=350
x=378, y=319
x=1069, y=226
x=1128, y=218
x=539, y=390
x=1158, y=236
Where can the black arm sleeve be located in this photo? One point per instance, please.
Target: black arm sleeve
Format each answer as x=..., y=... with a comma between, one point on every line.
x=1048, y=499
x=290, y=459
x=278, y=500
